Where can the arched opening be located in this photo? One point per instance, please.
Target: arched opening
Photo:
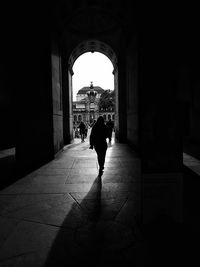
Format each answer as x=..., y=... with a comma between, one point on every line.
x=82, y=48
x=93, y=88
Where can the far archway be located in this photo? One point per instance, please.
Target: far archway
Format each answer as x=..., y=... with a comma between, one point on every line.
x=94, y=99
x=93, y=46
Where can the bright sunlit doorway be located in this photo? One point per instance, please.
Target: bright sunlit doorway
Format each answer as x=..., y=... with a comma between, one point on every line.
x=93, y=84
x=93, y=90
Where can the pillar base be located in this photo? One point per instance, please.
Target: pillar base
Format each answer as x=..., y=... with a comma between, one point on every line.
x=162, y=196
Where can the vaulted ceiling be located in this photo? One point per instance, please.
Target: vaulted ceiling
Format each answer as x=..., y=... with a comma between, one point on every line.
x=84, y=16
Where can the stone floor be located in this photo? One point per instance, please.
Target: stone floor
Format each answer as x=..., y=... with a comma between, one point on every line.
x=64, y=214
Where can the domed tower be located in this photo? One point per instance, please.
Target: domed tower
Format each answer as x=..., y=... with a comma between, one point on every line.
x=86, y=105
x=91, y=93
x=91, y=104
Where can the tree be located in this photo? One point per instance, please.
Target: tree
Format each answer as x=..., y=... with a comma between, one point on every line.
x=107, y=101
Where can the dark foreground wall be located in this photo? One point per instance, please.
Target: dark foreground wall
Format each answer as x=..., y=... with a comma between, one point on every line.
x=7, y=108
x=28, y=54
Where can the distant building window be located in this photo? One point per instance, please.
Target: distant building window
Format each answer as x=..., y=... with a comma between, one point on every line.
x=92, y=105
x=80, y=106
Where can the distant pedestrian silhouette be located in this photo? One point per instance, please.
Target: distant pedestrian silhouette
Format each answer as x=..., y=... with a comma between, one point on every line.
x=82, y=130
x=98, y=141
x=86, y=129
x=110, y=127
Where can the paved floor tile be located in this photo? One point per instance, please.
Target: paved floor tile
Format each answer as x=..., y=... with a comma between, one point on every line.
x=46, y=179
x=84, y=171
x=6, y=200
x=7, y=226
x=53, y=171
x=29, y=201
x=13, y=189
x=28, y=237
x=79, y=179
x=31, y=259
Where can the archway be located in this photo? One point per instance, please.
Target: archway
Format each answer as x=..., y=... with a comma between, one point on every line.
x=93, y=87
x=93, y=46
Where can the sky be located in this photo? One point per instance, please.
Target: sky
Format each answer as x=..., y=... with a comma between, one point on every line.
x=92, y=67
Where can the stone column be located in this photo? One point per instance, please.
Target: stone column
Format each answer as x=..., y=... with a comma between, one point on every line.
x=160, y=133
x=34, y=118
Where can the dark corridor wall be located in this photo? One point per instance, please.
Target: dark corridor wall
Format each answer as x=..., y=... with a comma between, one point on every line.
x=7, y=96
x=26, y=113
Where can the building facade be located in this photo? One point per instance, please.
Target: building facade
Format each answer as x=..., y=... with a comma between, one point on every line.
x=86, y=106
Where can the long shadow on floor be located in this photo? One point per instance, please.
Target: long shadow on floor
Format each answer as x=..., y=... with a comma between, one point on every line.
x=82, y=240
x=90, y=236
x=78, y=242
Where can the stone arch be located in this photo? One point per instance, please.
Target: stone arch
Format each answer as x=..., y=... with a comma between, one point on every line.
x=93, y=45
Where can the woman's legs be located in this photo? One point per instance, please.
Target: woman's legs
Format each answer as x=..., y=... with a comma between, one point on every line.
x=82, y=136
x=101, y=154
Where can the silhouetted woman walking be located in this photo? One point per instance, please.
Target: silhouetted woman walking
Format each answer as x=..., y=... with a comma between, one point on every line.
x=98, y=136
x=82, y=130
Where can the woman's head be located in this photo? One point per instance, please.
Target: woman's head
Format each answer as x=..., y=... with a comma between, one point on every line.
x=100, y=121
